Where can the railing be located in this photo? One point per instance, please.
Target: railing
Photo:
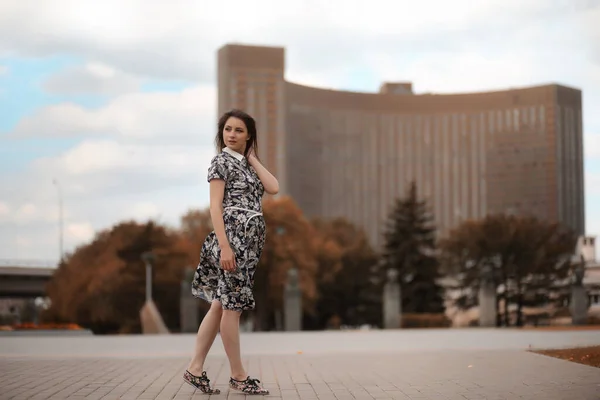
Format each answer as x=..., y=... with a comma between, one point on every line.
x=27, y=263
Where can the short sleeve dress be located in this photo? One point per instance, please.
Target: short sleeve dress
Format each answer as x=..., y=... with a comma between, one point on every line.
x=246, y=232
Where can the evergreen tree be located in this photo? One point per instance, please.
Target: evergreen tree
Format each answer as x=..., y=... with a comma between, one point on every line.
x=410, y=248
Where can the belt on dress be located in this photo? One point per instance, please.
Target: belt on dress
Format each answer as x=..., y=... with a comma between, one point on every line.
x=253, y=212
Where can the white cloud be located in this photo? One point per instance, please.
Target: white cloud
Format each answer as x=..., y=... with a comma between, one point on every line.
x=30, y=212
x=592, y=199
x=177, y=40
x=170, y=115
x=92, y=78
x=144, y=211
x=80, y=232
x=592, y=184
x=26, y=212
x=591, y=144
x=4, y=210
x=105, y=168
x=470, y=71
x=136, y=36
x=105, y=156
x=156, y=165
x=155, y=159
x=3, y=70
x=103, y=182
x=23, y=241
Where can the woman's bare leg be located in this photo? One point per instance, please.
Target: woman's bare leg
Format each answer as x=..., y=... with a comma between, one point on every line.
x=206, y=336
x=230, y=334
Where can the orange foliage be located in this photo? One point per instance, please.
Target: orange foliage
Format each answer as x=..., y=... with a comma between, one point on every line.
x=195, y=226
x=48, y=326
x=102, y=284
x=425, y=320
x=346, y=242
x=346, y=289
x=292, y=241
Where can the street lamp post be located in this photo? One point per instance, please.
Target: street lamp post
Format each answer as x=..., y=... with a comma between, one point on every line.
x=292, y=294
x=150, y=317
x=60, y=219
x=148, y=259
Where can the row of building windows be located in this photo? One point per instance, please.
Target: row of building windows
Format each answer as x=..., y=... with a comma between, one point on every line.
x=369, y=161
x=448, y=155
x=569, y=165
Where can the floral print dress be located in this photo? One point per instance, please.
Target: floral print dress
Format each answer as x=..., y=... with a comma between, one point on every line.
x=245, y=230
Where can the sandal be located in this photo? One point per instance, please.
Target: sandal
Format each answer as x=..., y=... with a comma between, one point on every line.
x=248, y=386
x=201, y=383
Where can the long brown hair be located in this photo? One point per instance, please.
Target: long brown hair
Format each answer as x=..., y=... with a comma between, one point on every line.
x=250, y=127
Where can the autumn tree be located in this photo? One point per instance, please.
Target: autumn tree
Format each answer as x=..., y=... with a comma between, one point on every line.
x=101, y=285
x=528, y=261
x=410, y=248
x=541, y=265
x=291, y=242
x=195, y=227
x=472, y=248
x=348, y=291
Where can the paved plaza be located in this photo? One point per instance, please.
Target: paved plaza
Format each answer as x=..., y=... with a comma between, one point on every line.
x=401, y=364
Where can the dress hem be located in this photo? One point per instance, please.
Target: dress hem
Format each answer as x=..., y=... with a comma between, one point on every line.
x=203, y=298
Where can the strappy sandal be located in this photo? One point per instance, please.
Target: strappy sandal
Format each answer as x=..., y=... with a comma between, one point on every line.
x=201, y=383
x=248, y=386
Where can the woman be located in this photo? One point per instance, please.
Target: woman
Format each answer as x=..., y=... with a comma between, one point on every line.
x=225, y=275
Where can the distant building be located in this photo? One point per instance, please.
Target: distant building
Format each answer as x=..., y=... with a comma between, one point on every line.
x=350, y=154
x=586, y=251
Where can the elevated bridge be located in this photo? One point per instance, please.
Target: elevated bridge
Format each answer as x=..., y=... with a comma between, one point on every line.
x=25, y=278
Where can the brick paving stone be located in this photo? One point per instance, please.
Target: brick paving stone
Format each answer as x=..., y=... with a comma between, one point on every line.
x=474, y=365
x=484, y=374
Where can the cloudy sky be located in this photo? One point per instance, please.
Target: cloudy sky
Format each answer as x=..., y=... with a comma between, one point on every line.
x=116, y=99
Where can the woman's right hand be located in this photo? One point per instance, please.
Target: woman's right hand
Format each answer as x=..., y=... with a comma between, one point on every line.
x=227, y=259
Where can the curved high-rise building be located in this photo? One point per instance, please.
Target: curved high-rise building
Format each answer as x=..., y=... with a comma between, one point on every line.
x=352, y=154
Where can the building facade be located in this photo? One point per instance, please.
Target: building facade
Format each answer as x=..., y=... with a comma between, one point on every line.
x=351, y=154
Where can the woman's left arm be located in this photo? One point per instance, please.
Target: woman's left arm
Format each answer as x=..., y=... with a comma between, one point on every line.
x=268, y=180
